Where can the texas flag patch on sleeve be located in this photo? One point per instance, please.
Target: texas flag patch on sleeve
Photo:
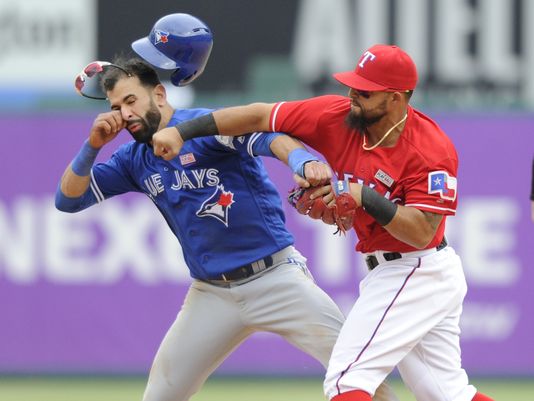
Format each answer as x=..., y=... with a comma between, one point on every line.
x=442, y=183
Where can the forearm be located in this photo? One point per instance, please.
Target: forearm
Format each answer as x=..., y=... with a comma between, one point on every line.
x=410, y=226
x=231, y=121
x=282, y=146
x=76, y=178
x=407, y=224
x=243, y=119
x=307, y=169
x=73, y=185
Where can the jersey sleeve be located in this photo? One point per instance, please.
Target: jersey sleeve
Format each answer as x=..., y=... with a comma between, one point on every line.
x=255, y=144
x=434, y=188
x=112, y=177
x=309, y=120
x=107, y=179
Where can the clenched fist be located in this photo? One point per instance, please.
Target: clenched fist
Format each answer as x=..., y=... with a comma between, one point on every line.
x=105, y=128
x=167, y=143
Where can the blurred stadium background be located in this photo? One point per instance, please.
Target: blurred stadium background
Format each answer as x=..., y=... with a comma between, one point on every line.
x=85, y=299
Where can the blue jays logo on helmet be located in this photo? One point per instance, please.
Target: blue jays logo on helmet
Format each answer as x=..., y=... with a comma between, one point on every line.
x=160, y=36
x=177, y=42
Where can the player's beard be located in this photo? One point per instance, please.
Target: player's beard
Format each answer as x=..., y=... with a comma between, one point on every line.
x=149, y=124
x=365, y=118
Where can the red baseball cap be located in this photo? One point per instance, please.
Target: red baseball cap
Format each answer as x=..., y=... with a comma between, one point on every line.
x=381, y=68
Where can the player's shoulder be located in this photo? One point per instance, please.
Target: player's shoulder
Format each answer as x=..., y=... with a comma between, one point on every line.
x=332, y=102
x=333, y=99
x=429, y=139
x=324, y=102
x=131, y=152
x=181, y=115
x=337, y=103
x=128, y=149
x=327, y=108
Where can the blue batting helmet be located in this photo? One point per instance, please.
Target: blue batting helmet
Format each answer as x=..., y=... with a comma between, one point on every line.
x=177, y=42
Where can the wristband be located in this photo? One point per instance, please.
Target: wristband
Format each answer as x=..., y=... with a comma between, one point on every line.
x=297, y=158
x=82, y=163
x=382, y=209
x=197, y=127
x=341, y=187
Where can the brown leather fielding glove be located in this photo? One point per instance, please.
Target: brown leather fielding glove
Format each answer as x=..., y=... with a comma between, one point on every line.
x=340, y=214
x=345, y=206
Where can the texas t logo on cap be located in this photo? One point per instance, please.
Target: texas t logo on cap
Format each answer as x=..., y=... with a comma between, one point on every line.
x=366, y=56
x=381, y=68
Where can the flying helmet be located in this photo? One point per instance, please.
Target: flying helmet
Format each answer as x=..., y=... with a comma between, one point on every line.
x=177, y=42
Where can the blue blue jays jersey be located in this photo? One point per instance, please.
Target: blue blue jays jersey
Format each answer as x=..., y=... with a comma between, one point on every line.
x=215, y=196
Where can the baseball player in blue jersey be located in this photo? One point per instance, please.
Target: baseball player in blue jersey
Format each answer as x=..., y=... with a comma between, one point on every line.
x=219, y=203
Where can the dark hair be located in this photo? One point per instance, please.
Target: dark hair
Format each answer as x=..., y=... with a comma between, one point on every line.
x=134, y=66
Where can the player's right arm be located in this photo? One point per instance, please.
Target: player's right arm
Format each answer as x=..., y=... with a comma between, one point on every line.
x=74, y=184
x=231, y=121
x=236, y=120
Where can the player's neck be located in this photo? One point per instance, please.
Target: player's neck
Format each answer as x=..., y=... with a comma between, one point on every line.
x=166, y=114
x=386, y=132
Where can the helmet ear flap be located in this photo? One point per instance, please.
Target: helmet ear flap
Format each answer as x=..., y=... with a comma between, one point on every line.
x=178, y=79
x=175, y=77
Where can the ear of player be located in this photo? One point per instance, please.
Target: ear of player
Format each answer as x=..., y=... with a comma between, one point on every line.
x=341, y=213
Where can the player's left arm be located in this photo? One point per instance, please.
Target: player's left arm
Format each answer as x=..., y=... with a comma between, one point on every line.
x=405, y=223
x=307, y=168
x=413, y=226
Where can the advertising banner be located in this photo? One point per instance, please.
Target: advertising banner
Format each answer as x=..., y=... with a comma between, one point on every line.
x=45, y=44
x=96, y=291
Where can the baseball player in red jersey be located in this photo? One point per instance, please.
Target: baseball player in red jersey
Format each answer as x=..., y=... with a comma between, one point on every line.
x=400, y=168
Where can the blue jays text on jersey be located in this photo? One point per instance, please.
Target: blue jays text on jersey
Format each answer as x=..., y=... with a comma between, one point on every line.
x=215, y=196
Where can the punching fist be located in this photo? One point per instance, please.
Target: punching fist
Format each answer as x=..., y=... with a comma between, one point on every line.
x=167, y=143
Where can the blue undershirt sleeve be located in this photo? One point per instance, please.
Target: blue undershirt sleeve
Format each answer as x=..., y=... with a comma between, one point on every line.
x=297, y=158
x=73, y=205
x=261, y=145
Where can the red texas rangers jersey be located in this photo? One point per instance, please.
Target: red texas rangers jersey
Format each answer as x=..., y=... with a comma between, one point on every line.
x=419, y=171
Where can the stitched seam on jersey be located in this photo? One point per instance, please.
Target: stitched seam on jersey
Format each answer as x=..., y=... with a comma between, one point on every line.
x=254, y=137
x=96, y=191
x=430, y=207
x=274, y=116
x=378, y=325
